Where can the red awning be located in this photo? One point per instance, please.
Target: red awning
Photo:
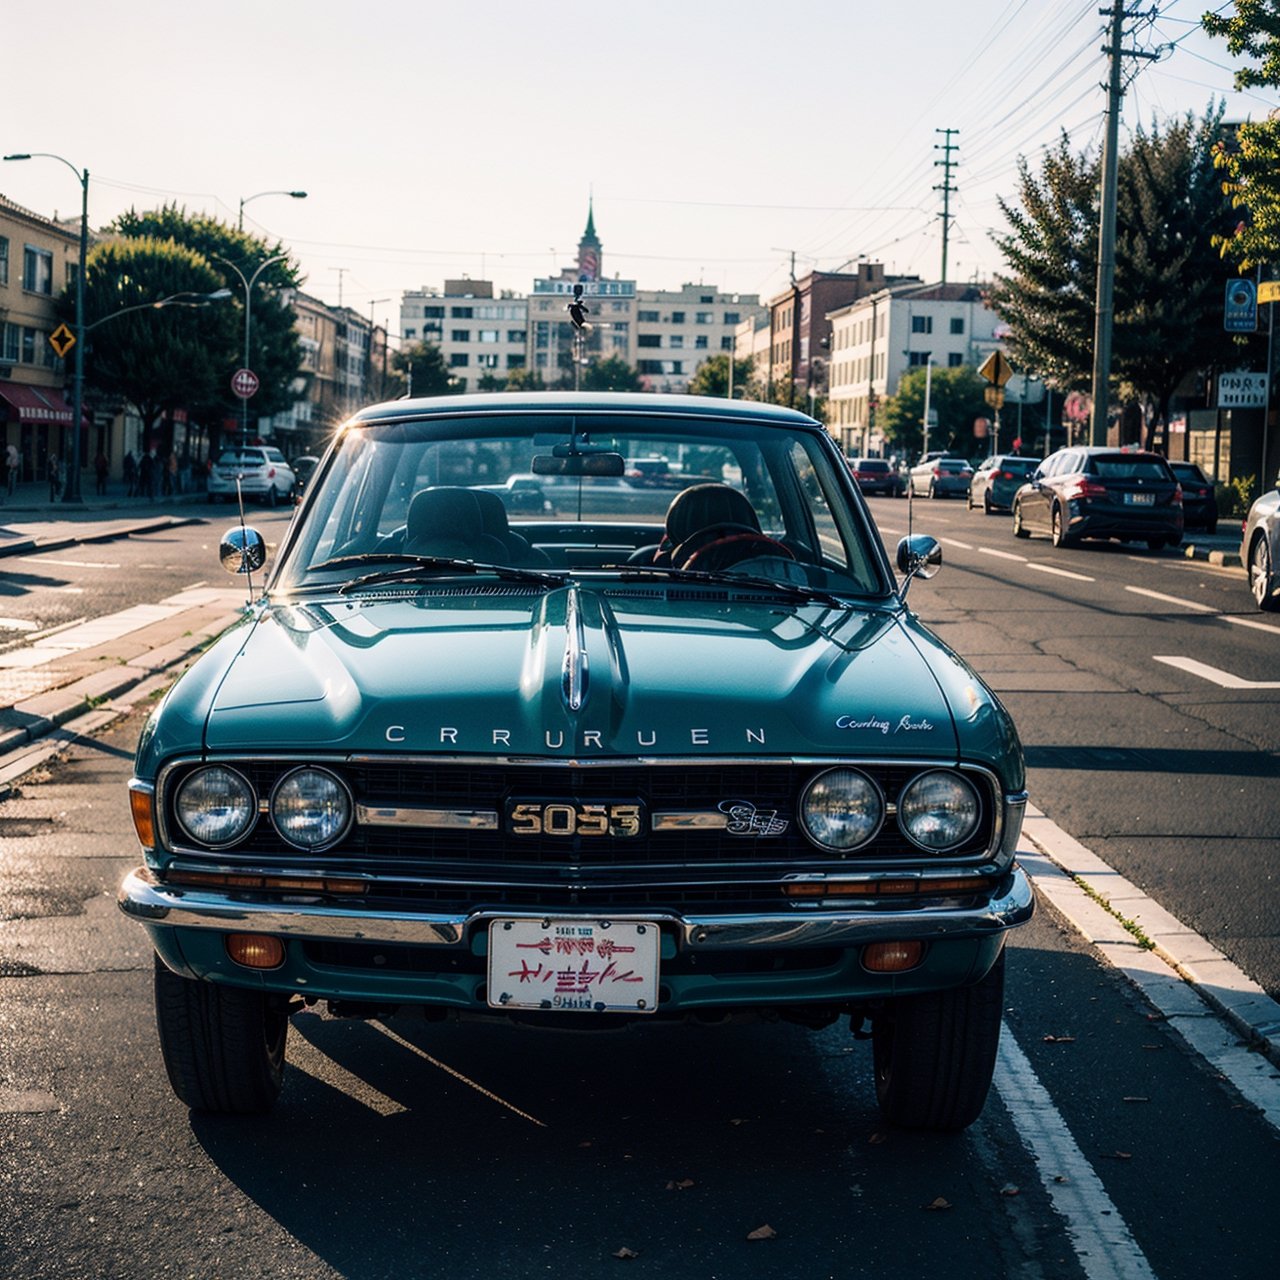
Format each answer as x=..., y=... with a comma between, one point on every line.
x=35, y=404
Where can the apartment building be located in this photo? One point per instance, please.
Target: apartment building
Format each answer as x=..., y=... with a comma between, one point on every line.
x=876, y=339
x=38, y=258
x=482, y=337
x=677, y=329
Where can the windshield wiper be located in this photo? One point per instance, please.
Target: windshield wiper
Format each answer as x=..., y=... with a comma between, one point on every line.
x=430, y=567
x=797, y=590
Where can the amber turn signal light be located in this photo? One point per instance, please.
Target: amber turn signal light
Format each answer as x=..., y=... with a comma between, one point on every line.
x=140, y=807
x=255, y=950
x=892, y=957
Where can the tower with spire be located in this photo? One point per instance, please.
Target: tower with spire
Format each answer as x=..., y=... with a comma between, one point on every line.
x=589, y=248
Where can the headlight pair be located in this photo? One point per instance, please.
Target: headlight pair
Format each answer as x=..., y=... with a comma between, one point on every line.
x=842, y=809
x=216, y=806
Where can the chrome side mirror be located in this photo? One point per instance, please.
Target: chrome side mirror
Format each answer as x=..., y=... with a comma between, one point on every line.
x=919, y=556
x=242, y=550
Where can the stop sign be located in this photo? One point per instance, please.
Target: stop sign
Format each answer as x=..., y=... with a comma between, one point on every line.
x=244, y=382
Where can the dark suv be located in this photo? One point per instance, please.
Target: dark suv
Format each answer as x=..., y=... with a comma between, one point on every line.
x=1097, y=492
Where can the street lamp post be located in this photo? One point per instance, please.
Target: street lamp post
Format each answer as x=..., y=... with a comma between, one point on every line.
x=248, y=310
x=71, y=490
x=373, y=302
x=244, y=200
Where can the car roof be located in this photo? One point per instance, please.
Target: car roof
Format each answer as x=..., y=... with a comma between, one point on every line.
x=562, y=402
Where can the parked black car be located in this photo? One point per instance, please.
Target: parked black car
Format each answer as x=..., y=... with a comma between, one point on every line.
x=1199, y=504
x=875, y=475
x=1099, y=492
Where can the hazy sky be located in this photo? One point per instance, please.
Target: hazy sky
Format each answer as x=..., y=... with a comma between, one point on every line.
x=439, y=140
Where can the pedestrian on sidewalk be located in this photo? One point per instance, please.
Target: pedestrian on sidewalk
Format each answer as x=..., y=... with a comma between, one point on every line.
x=130, y=469
x=101, y=468
x=12, y=464
x=146, y=475
x=55, y=477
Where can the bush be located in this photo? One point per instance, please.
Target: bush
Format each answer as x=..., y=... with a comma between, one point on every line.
x=1234, y=498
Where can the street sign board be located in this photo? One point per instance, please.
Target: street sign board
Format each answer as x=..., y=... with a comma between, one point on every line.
x=994, y=396
x=996, y=369
x=1024, y=388
x=1269, y=291
x=1240, y=307
x=62, y=340
x=244, y=382
x=1242, y=391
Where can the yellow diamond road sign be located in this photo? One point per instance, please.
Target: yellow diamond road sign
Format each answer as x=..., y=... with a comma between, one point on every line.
x=996, y=369
x=62, y=340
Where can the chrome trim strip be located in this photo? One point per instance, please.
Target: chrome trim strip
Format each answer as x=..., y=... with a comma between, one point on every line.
x=573, y=666
x=418, y=816
x=155, y=905
x=688, y=820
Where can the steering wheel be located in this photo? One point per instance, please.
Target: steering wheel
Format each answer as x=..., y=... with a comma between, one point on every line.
x=723, y=553
x=704, y=537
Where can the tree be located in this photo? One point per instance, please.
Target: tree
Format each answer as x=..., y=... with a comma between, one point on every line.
x=956, y=394
x=712, y=377
x=490, y=381
x=610, y=374
x=420, y=370
x=1251, y=168
x=525, y=380
x=157, y=360
x=275, y=353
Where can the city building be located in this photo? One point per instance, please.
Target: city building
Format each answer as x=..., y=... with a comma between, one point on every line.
x=38, y=259
x=677, y=329
x=482, y=337
x=875, y=339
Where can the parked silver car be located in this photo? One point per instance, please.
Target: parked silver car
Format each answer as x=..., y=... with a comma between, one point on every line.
x=1260, y=549
x=942, y=478
x=261, y=470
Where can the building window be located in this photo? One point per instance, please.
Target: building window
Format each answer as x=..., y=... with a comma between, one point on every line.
x=410, y=335
x=677, y=366
x=677, y=317
x=700, y=342
x=726, y=343
x=677, y=341
x=648, y=317
x=957, y=324
x=921, y=324
x=917, y=359
x=12, y=343
x=515, y=335
x=4, y=260
x=703, y=317
x=433, y=313
x=459, y=360
x=731, y=317
x=460, y=335
x=515, y=361
x=649, y=340
x=29, y=337
x=954, y=360
x=37, y=270
x=488, y=335
x=487, y=360
x=462, y=313
x=649, y=368
x=707, y=297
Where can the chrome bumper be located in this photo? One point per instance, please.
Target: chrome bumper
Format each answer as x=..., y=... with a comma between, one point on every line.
x=151, y=903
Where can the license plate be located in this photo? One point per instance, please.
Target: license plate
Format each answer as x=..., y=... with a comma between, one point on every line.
x=592, y=966
x=1141, y=499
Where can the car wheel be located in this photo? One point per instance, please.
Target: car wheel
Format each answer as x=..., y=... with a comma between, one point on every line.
x=272, y=496
x=1155, y=544
x=935, y=1054
x=968, y=500
x=987, y=508
x=1020, y=530
x=1211, y=527
x=223, y=1047
x=933, y=491
x=1058, y=528
x=1260, y=582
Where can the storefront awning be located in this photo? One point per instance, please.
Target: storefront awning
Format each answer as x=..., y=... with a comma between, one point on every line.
x=23, y=403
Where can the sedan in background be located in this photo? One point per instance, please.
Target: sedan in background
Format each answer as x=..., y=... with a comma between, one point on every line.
x=1260, y=549
x=1098, y=492
x=941, y=478
x=1199, y=505
x=260, y=470
x=875, y=475
x=522, y=495
x=997, y=479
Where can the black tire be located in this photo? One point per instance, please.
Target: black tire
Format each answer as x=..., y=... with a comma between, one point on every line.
x=272, y=496
x=1058, y=529
x=933, y=492
x=987, y=508
x=935, y=1054
x=223, y=1047
x=1211, y=527
x=968, y=500
x=1155, y=544
x=1020, y=530
x=1261, y=584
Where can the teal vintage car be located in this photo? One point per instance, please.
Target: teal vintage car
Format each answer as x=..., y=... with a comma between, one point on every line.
x=667, y=753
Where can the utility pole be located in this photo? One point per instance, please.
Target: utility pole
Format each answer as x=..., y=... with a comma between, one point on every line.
x=1104, y=306
x=946, y=146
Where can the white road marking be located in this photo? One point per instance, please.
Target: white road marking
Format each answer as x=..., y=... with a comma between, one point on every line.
x=955, y=542
x=1003, y=555
x=1250, y=622
x=1215, y=675
x=1164, y=599
x=17, y=624
x=1104, y=1245
x=72, y=564
x=1062, y=573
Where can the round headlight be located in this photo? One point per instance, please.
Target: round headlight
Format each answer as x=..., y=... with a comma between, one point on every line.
x=311, y=808
x=938, y=810
x=215, y=806
x=841, y=809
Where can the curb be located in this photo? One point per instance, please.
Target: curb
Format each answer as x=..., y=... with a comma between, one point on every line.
x=1211, y=555
x=24, y=546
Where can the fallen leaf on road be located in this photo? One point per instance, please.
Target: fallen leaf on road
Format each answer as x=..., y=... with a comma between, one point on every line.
x=939, y=1203
x=1059, y=1039
x=683, y=1185
x=877, y=1138
x=762, y=1233
x=624, y=1252
x=1137, y=1098
x=737, y=1122
x=1009, y=1189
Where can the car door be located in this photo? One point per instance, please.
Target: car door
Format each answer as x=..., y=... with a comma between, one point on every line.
x=1037, y=500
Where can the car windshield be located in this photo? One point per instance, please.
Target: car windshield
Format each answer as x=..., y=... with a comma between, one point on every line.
x=951, y=464
x=1129, y=467
x=241, y=458
x=872, y=464
x=1021, y=466
x=431, y=496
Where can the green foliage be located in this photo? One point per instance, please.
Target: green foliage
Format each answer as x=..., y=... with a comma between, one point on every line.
x=712, y=377
x=525, y=380
x=275, y=354
x=157, y=360
x=956, y=394
x=1250, y=169
x=490, y=381
x=610, y=374
x=430, y=374
x=1235, y=499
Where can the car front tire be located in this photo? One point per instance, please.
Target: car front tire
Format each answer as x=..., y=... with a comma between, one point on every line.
x=1020, y=530
x=223, y=1047
x=935, y=1054
x=1058, y=528
x=1261, y=583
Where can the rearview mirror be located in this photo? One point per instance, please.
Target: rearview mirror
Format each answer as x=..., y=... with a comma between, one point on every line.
x=579, y=464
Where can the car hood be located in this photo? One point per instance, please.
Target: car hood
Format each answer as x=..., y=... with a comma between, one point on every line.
x=579, y=673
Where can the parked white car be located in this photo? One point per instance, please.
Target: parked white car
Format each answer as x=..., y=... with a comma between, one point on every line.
x=262, y=471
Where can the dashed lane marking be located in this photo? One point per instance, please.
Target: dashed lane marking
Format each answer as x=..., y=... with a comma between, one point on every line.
x=1178, y=600
x=1215, y=675
x=72, y=564
x=955, y=542
x=1061, y=573
x=1003, y=555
